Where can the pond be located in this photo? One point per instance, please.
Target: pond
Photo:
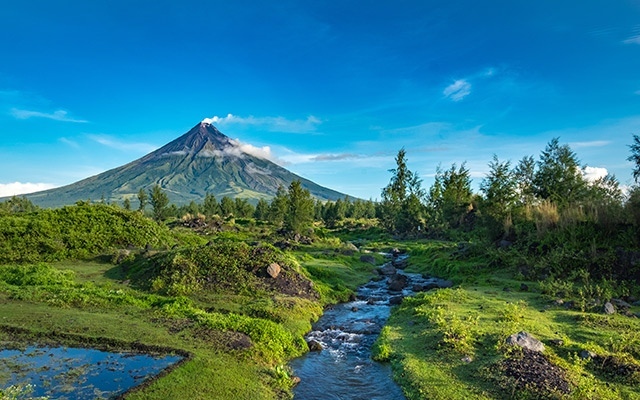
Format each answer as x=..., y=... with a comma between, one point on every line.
x=78, y=373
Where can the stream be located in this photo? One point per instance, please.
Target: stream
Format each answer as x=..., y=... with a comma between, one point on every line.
x=343, y=368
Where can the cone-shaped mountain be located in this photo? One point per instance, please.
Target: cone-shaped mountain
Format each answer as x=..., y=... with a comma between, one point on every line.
x=201, y=161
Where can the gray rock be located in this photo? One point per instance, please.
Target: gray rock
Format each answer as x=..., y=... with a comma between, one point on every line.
x=619, y=303
x=525, y=340
x=444, y=284
x=351, y=246
x=273, y=270
x=400, y=263
x=466, y=359
x=397, y=282
x=387, y=269
x=417, y=288
x=395, y=300
x=609, y=308
x=586, y=354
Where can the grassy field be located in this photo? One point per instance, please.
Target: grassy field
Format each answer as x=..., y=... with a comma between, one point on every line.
x=450, y=344
x=238, y=342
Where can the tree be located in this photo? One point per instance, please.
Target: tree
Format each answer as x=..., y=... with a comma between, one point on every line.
x=499, y=188
x=559, y=175
x=500, y=195
x=142, y=200
x=524, y=174
x=227, y=207
x=402, y=208
x=278, y=207
x=159, y=201
x=262, y=210
x=635, y=157
x=299, y=216
x=211, y=206
x=127, y=203
x=243, y=209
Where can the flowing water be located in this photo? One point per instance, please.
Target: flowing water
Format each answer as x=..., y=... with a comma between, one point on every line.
x=77, y=373
x=343, y=369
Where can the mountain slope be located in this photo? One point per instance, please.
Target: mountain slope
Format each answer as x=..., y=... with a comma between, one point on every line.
x=201, y=161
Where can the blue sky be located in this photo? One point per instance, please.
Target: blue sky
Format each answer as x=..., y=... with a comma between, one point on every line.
x=329, y=89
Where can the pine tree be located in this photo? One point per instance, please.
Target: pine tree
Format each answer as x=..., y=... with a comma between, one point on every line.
x=159, y=202
x=299, y=216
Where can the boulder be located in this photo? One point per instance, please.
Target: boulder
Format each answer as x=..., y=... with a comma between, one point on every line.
x=395, y=300
x=444, y=283
x=398, y=282
x=273, y=270
x=400, y=263
x=314, y=345
x=387, y=269
x=417, y=288
x=395, y=252
x=368, y=258
x=609, y=308
x=526, y=341
x=619, y=303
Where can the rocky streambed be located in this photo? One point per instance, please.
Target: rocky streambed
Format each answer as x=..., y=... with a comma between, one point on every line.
x=339, y=365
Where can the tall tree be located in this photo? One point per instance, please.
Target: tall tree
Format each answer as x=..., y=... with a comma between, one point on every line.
x=559, y=176
x=262, y=210
x=402, y=210
x=126, y=203
x=227, y=207
x=499, y=188
x=299, y=216
x=524, y=174
x=142, y=200
x=500, y=195
x=278, y=207
x=211, y=205
x=159, y=201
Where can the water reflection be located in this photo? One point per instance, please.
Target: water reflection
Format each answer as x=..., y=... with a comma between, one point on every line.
x=77, y=373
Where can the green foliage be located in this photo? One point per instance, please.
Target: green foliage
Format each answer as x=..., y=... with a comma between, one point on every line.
x=142, y=200
x=220, y=266
x=17, y=205
x=402, y=210
x=500, y=194
x=76, y=231
x=299, y=216
x=159, y=202
x=635, y=157
x=559, y=177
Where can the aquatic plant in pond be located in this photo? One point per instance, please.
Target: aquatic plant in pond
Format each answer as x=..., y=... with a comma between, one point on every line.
x=76, y=373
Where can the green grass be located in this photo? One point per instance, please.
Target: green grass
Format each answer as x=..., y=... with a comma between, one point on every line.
x=428, y=336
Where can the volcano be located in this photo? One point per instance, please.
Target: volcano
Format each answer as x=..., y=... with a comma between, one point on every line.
x=201, y=161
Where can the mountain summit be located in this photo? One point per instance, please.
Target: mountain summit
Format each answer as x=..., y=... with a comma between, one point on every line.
x=201, y=161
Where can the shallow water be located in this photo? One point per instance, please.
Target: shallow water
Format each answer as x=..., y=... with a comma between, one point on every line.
x=77, y=373
x=344, y=369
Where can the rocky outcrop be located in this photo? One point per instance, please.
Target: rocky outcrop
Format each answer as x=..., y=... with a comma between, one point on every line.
x=526, y=341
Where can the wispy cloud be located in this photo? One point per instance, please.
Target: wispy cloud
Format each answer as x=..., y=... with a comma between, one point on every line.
x=458, y=90
x=69, y=142
x=632, y=40
x=109, y=141
x=59, y=115
x=593, y=143
x=272, y=124
x=17, y=188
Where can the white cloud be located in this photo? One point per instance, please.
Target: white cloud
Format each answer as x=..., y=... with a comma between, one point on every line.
x=593, y=143
x=59, y=115
x=592, y=174
x=272, y=124
x=17, y=188
x=458, y=90
x=122, y=146
x=632, y=40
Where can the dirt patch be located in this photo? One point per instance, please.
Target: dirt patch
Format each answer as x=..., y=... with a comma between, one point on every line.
x=531, y=371
x=615, y=369
x=229, y=340
x=290, y=283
